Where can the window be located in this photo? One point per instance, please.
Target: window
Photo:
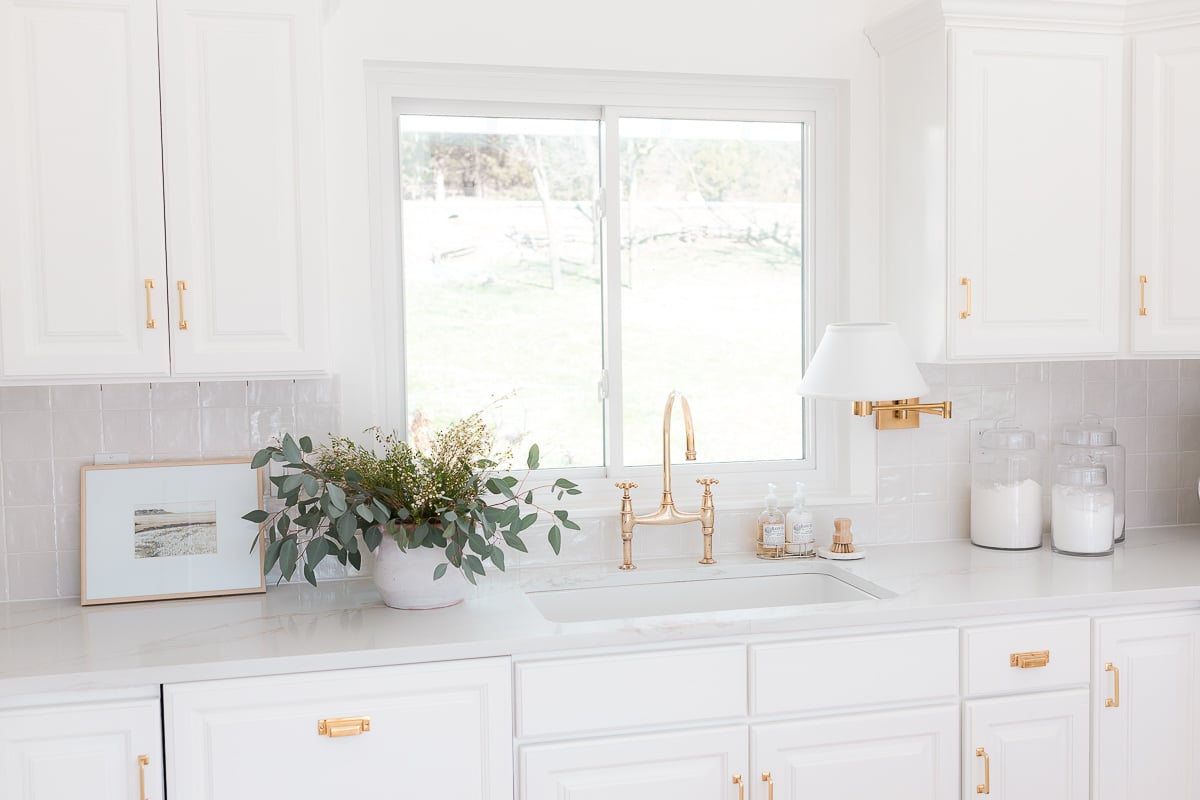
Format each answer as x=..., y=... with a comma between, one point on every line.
x=579, y=260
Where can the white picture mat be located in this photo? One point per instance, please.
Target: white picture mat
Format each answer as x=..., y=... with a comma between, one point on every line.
x=110, y=570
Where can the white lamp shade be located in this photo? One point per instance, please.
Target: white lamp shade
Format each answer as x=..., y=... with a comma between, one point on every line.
x=862, y=361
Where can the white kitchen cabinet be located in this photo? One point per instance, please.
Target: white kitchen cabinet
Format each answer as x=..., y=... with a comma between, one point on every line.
x=1146, y=706
x=82, y=751
x=695, y=764
x=427, y=730
x=1166, y=191
x=243, y=164
x=902, y=755
x=1033, y=745
x=81, y=201
x=1002, y=189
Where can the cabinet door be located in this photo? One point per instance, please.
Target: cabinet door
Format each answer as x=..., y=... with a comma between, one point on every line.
x=81, y=207
x=241, y=87
x=1147, y=729
x=82, y=752
x=1027, y=746
x=1166, y=191
x=900, y=755
x=696, y=765
x=426, y=730
x=1035, y=193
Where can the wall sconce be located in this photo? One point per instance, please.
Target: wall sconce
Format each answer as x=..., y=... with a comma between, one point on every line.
x=857, y=360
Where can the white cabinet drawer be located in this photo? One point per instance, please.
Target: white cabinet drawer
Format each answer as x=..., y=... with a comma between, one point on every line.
x=994, y=655
x=574, y=695
x=432, y=730
x=853, y=671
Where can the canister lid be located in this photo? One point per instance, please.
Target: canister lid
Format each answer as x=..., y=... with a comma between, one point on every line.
x=1007, y=436
x=1075, y=474
x=1088, y=432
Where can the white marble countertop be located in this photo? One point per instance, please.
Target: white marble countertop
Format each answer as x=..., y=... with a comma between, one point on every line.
x=58, y=646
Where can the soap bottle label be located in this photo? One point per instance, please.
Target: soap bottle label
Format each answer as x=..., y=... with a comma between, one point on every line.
x=802, y=532
x=772, y=534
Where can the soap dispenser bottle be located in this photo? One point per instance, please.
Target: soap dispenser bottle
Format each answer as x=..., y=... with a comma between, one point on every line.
x=801, y=540
x=771, y=527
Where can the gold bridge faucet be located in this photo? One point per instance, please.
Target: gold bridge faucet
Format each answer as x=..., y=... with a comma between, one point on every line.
x=667, y=514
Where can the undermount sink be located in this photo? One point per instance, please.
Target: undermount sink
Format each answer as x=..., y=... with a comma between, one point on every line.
x=697, y=596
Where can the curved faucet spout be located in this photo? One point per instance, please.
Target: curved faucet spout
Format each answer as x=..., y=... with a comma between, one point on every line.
x=689, y=433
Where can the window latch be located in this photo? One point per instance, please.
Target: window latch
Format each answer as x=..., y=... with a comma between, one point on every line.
x=602, y=386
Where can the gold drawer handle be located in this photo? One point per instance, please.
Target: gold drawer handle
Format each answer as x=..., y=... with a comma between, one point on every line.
x=1030, y=660
x=770, y=782
x=1142, y=279
x=343, y=726
x=150, y=321
x=986, y=786
x=1115, y=700
x=143, y=762
x=967, y=283
x=181, y=287
x=737, y=781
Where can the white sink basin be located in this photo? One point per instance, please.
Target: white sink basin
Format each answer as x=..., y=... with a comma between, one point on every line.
x=695, y=596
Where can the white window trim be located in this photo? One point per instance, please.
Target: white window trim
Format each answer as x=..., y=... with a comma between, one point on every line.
x=841, y=467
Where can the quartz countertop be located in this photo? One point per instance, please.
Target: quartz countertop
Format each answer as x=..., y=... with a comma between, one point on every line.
x=56, y=645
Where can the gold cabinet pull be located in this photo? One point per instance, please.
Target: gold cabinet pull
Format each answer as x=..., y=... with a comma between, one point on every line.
x=967, y=283
x=986, y=786
x=1030, y=660
x=181, y=287
x=148, y=284
x=737, y=781
x=1142, y=280
x=1115, y=700
x=770, y=782
x=343, y=726
x=143, y=762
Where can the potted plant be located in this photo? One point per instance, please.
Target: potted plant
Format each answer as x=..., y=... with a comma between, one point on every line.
x=421, y=509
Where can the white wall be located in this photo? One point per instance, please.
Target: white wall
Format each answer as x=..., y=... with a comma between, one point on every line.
x=777, y=38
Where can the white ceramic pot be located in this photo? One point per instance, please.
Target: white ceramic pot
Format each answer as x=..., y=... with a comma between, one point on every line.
x=405, y=577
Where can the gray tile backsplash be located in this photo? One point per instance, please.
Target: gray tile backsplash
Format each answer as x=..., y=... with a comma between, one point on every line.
x=48, y=432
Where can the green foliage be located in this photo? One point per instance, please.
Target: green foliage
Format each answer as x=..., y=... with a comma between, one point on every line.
x=447, y=495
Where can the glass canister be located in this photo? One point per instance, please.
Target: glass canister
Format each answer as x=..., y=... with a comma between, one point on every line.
x=1006, y=490
x=1081, y=508
x=1097, y=441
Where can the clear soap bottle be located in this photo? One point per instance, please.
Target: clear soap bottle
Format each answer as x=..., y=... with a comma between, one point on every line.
x=771, y=526
x=801, y=540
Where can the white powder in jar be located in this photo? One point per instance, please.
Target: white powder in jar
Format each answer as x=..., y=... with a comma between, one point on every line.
x=1081, y=520
x=1007, y=516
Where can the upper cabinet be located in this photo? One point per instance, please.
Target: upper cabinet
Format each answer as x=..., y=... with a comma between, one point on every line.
x=1002, y=187
x=82, y=264
x=94, y=282
x=1165, y=279
x=241, y=87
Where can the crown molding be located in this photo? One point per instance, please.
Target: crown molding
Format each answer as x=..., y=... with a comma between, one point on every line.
x=1082, y=16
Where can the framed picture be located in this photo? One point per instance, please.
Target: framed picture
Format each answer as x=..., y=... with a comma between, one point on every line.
x=168, y=530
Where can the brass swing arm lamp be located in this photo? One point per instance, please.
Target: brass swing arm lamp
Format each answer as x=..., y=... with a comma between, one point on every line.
x=869, y=359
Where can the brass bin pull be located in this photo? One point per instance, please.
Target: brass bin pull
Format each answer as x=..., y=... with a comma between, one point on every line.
x=143, y=762
x=150, y=322
x=181, y=287
x=343, y=726
x=1115, y=700
x=986, y=786
x=770, y=782
x=967, y=283
x=1030, y=660
x=737, y=781
x=1143, y=280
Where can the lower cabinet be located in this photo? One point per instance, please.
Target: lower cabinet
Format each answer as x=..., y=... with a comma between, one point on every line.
x=696, y=765
x=900, y=755
x=82, y=751
x=1146, y=690
x=1027, y=746
x=439, y=730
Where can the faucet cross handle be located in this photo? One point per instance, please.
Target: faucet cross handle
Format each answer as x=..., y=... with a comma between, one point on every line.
x=706, y=482
x=626, y=486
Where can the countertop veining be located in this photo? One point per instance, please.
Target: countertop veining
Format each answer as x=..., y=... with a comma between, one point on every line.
x=56, y=645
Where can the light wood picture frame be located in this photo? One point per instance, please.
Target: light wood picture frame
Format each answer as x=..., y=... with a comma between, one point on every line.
x=168, y=530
